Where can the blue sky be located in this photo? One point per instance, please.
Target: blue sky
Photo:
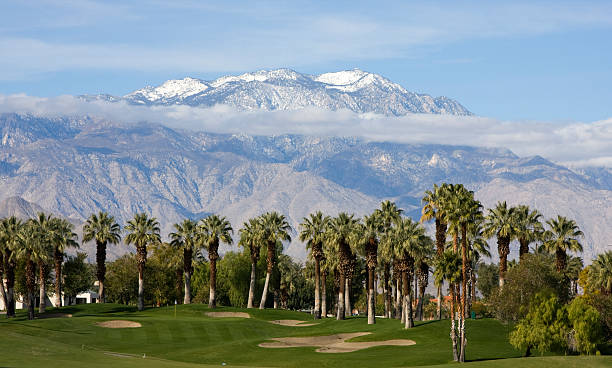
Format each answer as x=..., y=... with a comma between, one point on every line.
x=546, y=61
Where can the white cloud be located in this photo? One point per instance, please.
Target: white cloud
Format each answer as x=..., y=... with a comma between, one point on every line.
x=575, y=144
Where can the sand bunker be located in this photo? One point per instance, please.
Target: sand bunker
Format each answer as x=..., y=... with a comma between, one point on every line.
x=53, y=315
x=332, y=343
x=292, y=323
x=118, y=323
x=228, y=314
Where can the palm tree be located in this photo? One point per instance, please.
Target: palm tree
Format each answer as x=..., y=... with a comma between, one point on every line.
x=250, y=239
x=10, y=230
x=423, y=263
x=105, y=230
x=371, y=231
x=63, y=238
x=274, y=229
x=389, y=214
x=448, y=267
x=500, y=222
x=434, y=208
x=31, y=250
x=528, y=228
x=142, y=231
x=340, y=234
x=313, y=232
x=562, y=237
x=43, y=225
x=411, y=244
x=214, y=229
x=600, y=272
x=572, y=272
x=186, y=237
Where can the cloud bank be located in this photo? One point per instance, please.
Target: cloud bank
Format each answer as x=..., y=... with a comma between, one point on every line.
x=568, y=143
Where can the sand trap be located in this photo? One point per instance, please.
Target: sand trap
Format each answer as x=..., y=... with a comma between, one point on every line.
x=53, y=315
x=292, y=323
x=332, y=343
x=118, y=323
x=228, y=314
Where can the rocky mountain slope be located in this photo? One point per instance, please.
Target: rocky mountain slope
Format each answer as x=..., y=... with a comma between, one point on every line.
x=74, y=167
x=285, y=89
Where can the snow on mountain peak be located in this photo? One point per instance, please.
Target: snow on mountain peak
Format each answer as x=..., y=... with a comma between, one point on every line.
x=172, y=88
x=341, y=78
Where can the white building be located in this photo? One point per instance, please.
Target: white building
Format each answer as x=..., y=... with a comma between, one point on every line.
x=82, y=298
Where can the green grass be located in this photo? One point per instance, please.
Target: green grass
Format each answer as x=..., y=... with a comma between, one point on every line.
x=194, y=340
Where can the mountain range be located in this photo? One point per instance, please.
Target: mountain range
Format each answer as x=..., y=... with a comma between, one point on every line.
x=285, y=89
x=74, y=166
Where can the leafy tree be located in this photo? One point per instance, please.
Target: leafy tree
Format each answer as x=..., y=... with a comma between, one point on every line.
x=544, y=328
x=488, y=279
x=586, y=328
x=165, y=270
x=78, y=275
x=121, y=282
x=105, y=230
x=534, y=274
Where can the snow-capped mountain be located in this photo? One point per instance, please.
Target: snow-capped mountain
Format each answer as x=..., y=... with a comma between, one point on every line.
x=285, y=89
x=75, y=167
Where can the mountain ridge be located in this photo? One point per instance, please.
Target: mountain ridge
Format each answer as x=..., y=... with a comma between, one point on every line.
x=286, y=89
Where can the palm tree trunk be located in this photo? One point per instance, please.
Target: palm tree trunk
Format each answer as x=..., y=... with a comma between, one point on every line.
x=464, y=246
x=59, y=257
x=503, y=248
x=317, y=305
x=406, y=278
x=453, y=333
x=439, y=306
x=42, y=306
x=3, y=291
x=30, y=284
x=560, y=259
x=141, y=288
x=398, y=299
x=347, y=298
x=387, y=291
x=420, y=305
x=371, y=301
x=340, y=315
x=101, y=269
x=264, y=294
x=252, y=285
x=523, y=249
x=187, y=270
x=212, y=302
x=324, y=295
x=9, y=267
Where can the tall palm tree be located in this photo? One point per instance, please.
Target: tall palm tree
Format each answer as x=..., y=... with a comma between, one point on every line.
x=313, y=233
x=31, y=249
x=104, y=230
x=186, y=237
x=389, y=214
x=501, y=222
x=250, y=239
x=10, y=230
x=448, y=267
x=340, y=234
x=372, y=229
x=528, y=228
x=63, y=238
x=274, y=229
x=43, y=225
x=434, y=208
x=214, y=229
x=142, y=231
x=411, y=244
x=562, y=237
x=422, y=266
